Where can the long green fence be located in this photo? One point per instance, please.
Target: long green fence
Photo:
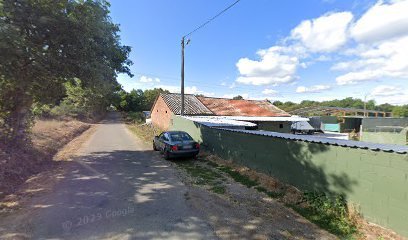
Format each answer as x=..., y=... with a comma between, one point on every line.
x=376, y=182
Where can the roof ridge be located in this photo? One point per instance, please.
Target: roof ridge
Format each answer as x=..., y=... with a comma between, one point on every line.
x=193, y=105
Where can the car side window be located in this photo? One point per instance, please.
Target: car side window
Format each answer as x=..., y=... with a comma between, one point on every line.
x=165, y=137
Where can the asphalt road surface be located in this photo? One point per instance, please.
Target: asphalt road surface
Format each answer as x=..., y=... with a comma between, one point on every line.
x=116, y=189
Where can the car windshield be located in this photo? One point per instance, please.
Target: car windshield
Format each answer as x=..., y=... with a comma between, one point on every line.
x=180, y=136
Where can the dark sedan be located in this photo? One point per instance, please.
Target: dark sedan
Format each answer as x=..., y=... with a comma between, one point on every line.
x=176, y=144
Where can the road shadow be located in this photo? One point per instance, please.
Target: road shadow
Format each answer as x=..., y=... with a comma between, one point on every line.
x=130, y=194
x=137, y=195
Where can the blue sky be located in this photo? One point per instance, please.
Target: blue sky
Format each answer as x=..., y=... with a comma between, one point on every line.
x=279, y=50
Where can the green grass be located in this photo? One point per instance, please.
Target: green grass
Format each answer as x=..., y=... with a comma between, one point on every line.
x=145, y=132
x=270, y=193
x=328, y=213
x=203, y=175
x=218, y=189
x=238, y=177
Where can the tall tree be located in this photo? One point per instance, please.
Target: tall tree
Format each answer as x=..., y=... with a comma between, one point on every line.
x=44, y=43
x=151, y=95
x=400, y=111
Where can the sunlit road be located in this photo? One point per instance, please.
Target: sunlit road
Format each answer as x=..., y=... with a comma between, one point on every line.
x=116, y=189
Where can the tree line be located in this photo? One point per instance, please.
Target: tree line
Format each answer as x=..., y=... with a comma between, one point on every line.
x=398, y=111
x=136, y=100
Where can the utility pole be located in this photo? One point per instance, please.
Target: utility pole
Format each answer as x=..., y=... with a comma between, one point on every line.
x=365, y=105
x=183, y=45
x=182, y=77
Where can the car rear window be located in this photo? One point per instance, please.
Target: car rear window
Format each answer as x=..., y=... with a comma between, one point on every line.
x=180, y=136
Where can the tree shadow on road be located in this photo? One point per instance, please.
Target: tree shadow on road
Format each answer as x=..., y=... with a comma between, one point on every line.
x=122, y=194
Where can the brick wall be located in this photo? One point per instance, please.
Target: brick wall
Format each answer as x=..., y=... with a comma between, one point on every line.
x=161, y=114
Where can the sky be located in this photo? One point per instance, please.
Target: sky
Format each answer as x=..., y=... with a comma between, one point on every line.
x=289, y=50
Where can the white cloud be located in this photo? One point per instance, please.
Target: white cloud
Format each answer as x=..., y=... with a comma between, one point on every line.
x=395, y=100
x=384, y=90
x=269, y=92
x=323, y=34
x=312, y=89
x=278, y=64
x=145, y=79
x=379, y=51
x=275, y=66
x=187, y=90
x=390, y=94
x=382, y=53
x=382, y=21
x=387, y=59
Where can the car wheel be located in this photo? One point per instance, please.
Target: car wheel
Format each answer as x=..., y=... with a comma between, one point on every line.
x=166, y=155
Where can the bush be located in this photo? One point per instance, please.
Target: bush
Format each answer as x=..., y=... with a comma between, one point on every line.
x=69, y=110
x=40, y=110
x=135, y=117
x=330, y=213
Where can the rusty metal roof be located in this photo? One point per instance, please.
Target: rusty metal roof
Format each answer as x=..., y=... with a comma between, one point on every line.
x=192, y=106
x=251, y=108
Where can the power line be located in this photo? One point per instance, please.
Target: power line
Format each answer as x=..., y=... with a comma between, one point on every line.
x=211, y=19
x=170, y=80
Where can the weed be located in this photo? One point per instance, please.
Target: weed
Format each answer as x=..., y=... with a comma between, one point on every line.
x=261, y=189
x=203, y=175
x=145, y=132
x=212, y=164
x=275, y=194
x=330, y=213
x=238, y=177
x=218, y=189
x=135, y=117
x=269, y=193
x=327, y=212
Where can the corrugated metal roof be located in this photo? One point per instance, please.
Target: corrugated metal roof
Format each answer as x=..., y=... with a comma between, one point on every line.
x=264, y=119
x=219, y=122
x=231, y=107
x=337, y=142
x=192, y=106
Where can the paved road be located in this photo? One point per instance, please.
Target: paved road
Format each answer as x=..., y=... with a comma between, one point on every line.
x=118, y=189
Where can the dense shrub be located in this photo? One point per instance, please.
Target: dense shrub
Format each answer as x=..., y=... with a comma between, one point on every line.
x=135, y=117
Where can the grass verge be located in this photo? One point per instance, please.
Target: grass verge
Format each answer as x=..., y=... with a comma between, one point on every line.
x=145, y=132
x=329, y=213
x=203, y=174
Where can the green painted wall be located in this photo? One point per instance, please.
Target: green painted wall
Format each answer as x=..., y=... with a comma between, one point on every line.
x=400, y=138
x=376, y=181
